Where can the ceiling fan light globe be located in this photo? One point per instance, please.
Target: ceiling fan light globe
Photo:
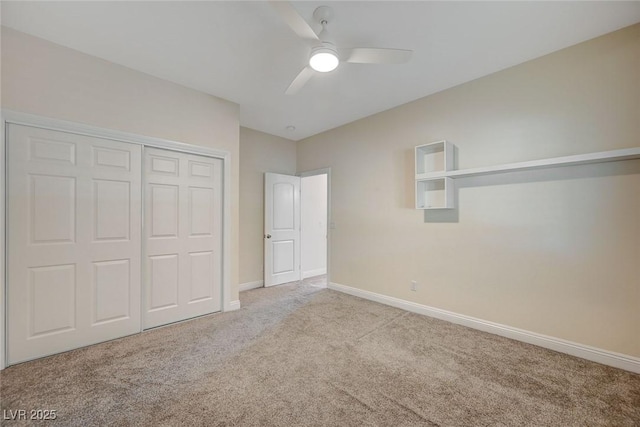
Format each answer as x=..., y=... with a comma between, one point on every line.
x=323, y=60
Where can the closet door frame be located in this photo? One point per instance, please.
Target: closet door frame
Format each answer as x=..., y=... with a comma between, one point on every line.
x=12, y=117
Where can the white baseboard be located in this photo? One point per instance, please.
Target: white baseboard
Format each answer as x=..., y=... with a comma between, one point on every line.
x=250, y=285
x=233, y=305
x=617, y=360
x=313, y=273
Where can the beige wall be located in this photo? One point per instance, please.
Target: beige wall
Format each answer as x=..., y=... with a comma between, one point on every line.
x=259, y=153
x=556, y=252
x=46, y=79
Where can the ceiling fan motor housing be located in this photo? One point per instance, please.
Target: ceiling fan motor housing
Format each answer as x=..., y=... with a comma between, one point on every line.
x=324, y=58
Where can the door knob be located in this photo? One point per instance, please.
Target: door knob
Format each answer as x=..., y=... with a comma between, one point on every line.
x=268, y=236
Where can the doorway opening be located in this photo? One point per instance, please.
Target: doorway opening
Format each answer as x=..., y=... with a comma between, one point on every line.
x=314, y=227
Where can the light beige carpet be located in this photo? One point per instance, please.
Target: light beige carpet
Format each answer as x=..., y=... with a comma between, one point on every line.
x=304, y=356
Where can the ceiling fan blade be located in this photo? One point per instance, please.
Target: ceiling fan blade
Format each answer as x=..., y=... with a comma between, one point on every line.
x=297, y=23
x=300, y=80
x=372, y=55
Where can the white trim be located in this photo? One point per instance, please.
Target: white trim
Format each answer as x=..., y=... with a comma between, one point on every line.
x=315, y=172
x=32, y=120
x=8, y=116
x=313, y=273
x=250, y=285
x=594, y=354
x=3, y=242
x=232, y=306
x=226, y=232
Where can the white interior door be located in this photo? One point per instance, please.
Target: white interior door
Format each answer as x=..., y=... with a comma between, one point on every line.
x=281, y=229
x=183, y=236
x=73, y=235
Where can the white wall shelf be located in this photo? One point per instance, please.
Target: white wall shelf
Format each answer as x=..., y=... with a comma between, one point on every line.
x=430, y=196
x=433, y=159
x=434, y=193
x=433, y=189
x=579, y=159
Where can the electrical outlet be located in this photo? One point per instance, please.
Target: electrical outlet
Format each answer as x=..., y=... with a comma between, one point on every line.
x=414, y=285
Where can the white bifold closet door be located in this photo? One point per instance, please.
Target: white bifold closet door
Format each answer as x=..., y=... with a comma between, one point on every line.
x=74, y=241
x=182, y=236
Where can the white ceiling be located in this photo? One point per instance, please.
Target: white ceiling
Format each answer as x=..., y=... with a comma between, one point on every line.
x=244, y=52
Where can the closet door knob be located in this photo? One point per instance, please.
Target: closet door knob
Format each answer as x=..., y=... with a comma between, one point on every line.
x=268, y=236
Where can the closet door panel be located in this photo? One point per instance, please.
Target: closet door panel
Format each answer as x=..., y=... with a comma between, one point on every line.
x=74, y=241
x=183, y=236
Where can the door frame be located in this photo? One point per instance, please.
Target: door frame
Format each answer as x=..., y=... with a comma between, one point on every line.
x=322, y=171
x=18, y=118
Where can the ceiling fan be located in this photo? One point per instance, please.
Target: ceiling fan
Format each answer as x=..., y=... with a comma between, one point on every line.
x=325, y=56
